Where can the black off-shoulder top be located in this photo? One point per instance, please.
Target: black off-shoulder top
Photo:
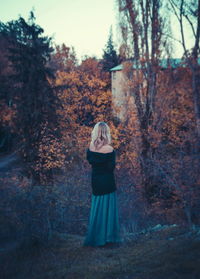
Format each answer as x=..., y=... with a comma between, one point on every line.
x=103, y=165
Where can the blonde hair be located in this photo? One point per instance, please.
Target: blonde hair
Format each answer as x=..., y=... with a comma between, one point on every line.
x=100, y=135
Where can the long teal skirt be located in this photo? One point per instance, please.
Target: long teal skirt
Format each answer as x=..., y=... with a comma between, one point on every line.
x=103, y=221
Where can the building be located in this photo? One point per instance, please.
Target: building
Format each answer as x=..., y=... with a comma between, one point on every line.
x=121, y=97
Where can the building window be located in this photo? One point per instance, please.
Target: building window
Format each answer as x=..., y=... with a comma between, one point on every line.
x=114, y=75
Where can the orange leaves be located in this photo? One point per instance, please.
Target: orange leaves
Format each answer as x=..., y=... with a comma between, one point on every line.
x=50, y=154
x=85, y=99
x=50, y=151
x=84, y=94
x=7, y=115
x=96, y=83
x=174, y=103
x=155, y=137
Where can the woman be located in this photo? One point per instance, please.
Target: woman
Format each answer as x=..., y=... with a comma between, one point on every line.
x=103, y=221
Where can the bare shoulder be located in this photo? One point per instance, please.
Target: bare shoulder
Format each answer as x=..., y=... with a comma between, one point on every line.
x=105, y=149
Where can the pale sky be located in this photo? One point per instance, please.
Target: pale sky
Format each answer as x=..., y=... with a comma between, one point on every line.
x=83, y=24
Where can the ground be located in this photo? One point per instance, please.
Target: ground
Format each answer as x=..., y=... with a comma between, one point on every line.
x=165, y=253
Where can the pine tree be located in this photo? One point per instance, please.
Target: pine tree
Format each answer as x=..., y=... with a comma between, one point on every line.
x=33, y=95
x=110, y=57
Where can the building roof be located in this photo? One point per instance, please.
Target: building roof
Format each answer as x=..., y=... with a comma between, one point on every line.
x=164, y=63
x=117, y=68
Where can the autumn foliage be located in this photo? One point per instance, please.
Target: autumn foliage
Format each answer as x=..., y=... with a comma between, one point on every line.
x=50, y=122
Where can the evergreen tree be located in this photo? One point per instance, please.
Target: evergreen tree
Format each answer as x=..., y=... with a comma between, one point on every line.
x=110, y=57
x=6, y=109
x=33, y=95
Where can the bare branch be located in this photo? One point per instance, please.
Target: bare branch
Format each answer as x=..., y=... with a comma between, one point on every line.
x=191, y=24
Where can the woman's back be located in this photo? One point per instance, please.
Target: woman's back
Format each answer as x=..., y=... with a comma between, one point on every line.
x=103, y=165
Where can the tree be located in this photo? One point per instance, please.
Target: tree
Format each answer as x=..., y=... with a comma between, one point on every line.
x=63, y=58
x=84, y=93
x=7, y=109
x=110, y=57
x=161, y=99
x=142, y=19
x=189, y=10
x=35, y=100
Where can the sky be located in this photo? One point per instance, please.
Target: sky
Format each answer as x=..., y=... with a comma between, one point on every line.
x=83, y=24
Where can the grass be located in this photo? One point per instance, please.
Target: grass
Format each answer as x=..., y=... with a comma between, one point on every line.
x=171, y=253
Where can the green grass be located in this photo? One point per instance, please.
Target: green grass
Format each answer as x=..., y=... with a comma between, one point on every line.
x=150, y=256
